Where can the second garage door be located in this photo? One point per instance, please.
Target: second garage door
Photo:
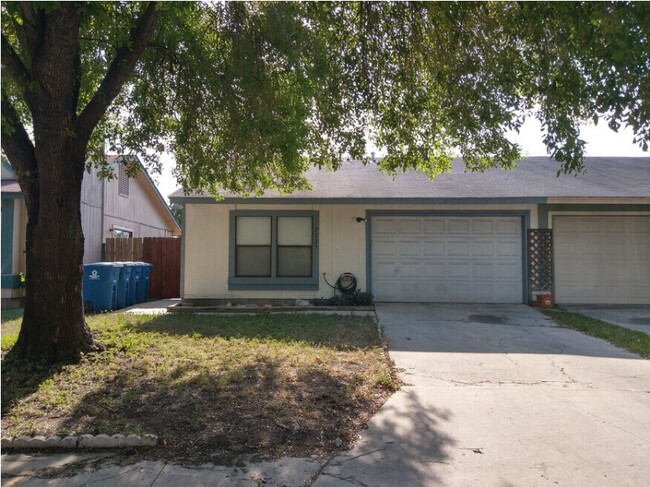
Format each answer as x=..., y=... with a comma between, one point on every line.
x=447, y=259
x=602, y=259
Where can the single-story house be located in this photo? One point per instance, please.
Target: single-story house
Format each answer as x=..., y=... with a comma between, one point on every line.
x=463, y=237
x=121, y=207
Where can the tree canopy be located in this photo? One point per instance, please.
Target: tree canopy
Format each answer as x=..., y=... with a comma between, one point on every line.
x=248, y=94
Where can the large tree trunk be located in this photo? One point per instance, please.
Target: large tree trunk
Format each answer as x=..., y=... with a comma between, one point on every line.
x=54, y=329
x=50, y=169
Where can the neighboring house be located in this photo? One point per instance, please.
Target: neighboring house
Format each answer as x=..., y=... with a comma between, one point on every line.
x=460, y=238
x=122, y=207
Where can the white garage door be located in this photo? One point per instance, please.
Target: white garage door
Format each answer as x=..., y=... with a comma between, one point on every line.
x=602, y=259
x=447, y=259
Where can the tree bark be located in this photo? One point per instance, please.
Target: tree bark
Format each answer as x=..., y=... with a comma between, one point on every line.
x=50, y=173
x=54, y=327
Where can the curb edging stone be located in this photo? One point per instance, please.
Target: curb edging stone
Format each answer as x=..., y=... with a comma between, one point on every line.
x=77, y=442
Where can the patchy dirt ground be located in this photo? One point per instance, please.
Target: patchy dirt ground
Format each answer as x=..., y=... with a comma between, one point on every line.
x=214, y=389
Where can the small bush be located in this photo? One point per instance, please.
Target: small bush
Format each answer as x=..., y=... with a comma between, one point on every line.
x=358, y=298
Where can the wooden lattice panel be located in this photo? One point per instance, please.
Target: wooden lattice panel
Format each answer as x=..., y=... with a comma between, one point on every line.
x=540, y=259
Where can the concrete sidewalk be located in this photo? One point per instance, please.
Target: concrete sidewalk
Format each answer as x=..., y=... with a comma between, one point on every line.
x=107, y=470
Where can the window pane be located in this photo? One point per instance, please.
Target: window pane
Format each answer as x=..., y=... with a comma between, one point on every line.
x=253, y=230
x=294, y=230
x=253, y=261
x=294, y=262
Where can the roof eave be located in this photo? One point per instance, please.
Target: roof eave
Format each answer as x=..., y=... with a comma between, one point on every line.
x=354, y=201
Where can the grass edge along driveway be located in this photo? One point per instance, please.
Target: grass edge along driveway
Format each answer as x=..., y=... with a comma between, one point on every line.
x=631, y=340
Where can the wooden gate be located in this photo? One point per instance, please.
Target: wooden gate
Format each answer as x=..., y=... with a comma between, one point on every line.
x=163, y=252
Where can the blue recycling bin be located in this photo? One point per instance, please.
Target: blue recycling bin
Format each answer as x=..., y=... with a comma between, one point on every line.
x=122, y=285
x=100, y=286
x=134, y=282
x=143, y=289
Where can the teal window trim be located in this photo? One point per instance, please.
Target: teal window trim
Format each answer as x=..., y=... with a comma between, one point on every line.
x=273, y=282
x=13, y=196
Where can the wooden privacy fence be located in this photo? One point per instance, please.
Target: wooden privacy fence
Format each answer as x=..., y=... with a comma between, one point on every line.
x=163, y=252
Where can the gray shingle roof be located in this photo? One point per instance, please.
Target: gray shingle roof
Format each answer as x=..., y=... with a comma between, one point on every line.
x=534, y=177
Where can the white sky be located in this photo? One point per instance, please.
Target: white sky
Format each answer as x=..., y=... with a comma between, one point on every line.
x=601, y=141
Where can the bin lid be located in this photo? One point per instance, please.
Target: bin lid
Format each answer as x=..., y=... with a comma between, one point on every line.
x=100, y=264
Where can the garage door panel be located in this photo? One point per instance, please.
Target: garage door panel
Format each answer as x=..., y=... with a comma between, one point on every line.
x=385, y=269
x=508, y=227
x=508, y=248
x=615, y=292
x=482, y=226
x=385, y=247
x=508, y=271
x=587, y=225
x=433, y=248
x=505, y=291
x=640, y=226
x=437, y=270
x=484, y=270
x=458, y=248
x=456, y=270
x=458, y=227
x=409, y=269
x=615, y=271
x=385, y=226
x=640, y=292
x=409, y=226
x=410, y=248
x=435, y=227
x=602, y=259
x=452, y=259
x=614, y=226
x=483, y=249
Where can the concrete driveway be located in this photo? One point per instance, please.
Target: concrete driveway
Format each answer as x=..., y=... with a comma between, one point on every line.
x=498, y=395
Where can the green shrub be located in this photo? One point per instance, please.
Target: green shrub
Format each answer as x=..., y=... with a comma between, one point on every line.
x=358, y=298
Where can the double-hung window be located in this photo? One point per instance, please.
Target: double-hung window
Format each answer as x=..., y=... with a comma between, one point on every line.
x=273, y=250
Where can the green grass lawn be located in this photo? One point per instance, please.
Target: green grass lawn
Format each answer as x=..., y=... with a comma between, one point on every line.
x=212, y=387
x=11, y=319
x=631, y=340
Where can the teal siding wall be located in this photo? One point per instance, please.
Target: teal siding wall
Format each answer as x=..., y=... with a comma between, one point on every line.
x=7, y=235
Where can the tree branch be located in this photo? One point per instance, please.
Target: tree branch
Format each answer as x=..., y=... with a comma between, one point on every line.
x=124, y=61
x=32, y=25
x=15, y=66
x=19, y=149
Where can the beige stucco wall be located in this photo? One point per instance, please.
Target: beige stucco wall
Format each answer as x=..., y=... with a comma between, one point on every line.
x=342, y=245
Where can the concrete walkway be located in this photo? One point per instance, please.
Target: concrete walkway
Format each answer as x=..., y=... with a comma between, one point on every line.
x=151, y=307
x=632, y=317
x=499, y=396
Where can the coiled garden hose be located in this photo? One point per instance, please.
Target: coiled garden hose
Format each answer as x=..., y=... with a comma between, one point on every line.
x=346, y=284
